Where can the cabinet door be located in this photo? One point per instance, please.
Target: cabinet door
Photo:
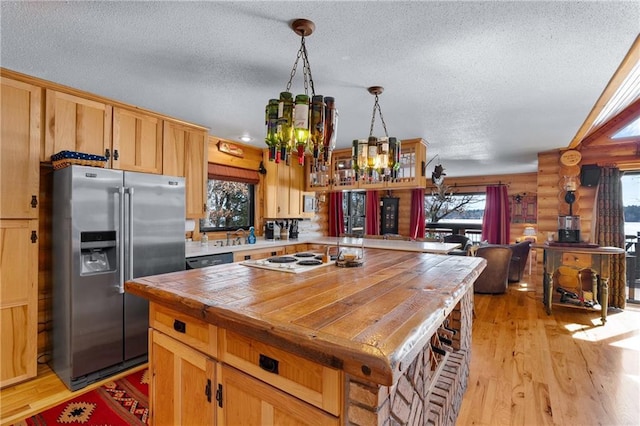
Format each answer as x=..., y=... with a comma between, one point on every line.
x=195, y=170
x=19, y=149
x=296, y=187
x=184, y=154
x=173, y=149
x=283, y=189
x=270, y=192
x=76, y=124
x=182, y=383
x=18, y=300
x=137, y=141
x=249, y=401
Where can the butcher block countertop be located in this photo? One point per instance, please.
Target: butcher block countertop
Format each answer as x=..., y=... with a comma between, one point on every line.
x=195, y=249
x=368, y=321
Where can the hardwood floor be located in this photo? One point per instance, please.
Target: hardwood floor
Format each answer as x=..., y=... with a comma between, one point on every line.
x=527, y=368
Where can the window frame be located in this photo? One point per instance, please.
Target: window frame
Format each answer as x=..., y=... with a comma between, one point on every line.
x=252, y=207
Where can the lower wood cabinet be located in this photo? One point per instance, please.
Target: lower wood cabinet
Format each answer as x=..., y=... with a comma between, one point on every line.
x=182, y=379
x=263, y=253
x=248, y=401
x=18, y=300
x=226, y=382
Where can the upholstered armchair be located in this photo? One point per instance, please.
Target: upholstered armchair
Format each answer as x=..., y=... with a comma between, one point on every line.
x=465, y=244
x=519, y=255
x=494, y=278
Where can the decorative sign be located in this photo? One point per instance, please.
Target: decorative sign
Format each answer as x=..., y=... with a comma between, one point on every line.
x=570, y=157
x=230, y=149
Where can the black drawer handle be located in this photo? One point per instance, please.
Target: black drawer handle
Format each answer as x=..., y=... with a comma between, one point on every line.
x=269, y=364
x=179, y=326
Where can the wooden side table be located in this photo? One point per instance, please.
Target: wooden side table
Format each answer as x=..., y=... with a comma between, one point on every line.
x=580, y=257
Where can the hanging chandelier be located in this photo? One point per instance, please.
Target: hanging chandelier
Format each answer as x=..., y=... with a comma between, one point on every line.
x=376, y=158
x=306, y=124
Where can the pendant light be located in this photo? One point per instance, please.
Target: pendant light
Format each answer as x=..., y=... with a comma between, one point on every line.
x=377, y=157
x=306, y=123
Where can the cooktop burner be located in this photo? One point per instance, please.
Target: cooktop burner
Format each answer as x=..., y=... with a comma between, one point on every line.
x=310, y=262
x=282, y=259
x=304, y=255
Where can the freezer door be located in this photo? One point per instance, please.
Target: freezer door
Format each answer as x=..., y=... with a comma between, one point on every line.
x=154, y=243
x=86, y=291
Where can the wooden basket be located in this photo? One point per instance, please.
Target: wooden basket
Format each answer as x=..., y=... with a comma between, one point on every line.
x=67, y=158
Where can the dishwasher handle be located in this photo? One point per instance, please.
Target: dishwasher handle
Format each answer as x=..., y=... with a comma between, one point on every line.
x=209, y=260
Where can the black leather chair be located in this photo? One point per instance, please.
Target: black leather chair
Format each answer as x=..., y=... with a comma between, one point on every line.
x=519, y=255
x=465, y=244
x=494, y=278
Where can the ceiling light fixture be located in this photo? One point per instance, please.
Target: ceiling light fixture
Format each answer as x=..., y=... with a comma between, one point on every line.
x=305, y=123
x=378, y=156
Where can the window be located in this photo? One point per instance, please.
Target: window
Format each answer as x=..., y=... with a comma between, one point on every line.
x=353, y=206
x=230, y=205
x=631, y=203
x=449, y=207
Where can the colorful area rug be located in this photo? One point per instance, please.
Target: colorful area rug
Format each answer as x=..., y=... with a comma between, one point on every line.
x=122, y=402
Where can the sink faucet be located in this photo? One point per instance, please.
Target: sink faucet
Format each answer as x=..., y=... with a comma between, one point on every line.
x=239, y=230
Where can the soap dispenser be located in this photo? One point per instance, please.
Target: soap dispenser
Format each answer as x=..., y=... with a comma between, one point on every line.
x=252, y=235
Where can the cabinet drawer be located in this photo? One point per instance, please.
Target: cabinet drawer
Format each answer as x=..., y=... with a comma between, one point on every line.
x=307, y=380
x=576, y=260
x=184, y=328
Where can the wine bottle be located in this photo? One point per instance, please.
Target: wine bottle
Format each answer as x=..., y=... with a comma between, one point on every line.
x=330, y=127
x=271, y=122
x=301, y=125
x=317, y=125
x=372, y=153
x=285, y=125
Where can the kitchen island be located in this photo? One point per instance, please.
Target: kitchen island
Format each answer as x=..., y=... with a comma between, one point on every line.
x=389, y=339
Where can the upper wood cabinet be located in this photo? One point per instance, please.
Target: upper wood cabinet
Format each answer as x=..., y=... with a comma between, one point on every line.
x=184, y=153
x=284, y=185
x=137, y=141
x=76, y=124
x=21, y=112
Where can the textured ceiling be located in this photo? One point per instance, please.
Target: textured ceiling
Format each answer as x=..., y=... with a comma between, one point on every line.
x=487, y=84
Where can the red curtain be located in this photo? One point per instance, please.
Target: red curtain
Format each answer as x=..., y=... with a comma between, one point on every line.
x=495, y=223
x=336, y=215
x=416, y=225
x=372, y=210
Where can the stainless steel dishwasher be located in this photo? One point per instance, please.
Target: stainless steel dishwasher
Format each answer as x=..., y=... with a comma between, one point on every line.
x=209, y=260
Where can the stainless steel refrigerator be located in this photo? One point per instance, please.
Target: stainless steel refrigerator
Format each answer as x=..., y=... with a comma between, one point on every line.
x=108, y=226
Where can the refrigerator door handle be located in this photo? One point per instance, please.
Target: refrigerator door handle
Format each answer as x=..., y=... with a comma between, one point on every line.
x=130, y=222
x=121, y=236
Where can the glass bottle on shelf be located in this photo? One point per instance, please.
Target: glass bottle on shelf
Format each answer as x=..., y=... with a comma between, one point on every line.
x=285, y=125
x=301, y=125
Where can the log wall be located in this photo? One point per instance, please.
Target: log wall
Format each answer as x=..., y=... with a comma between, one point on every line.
x=551, y=194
